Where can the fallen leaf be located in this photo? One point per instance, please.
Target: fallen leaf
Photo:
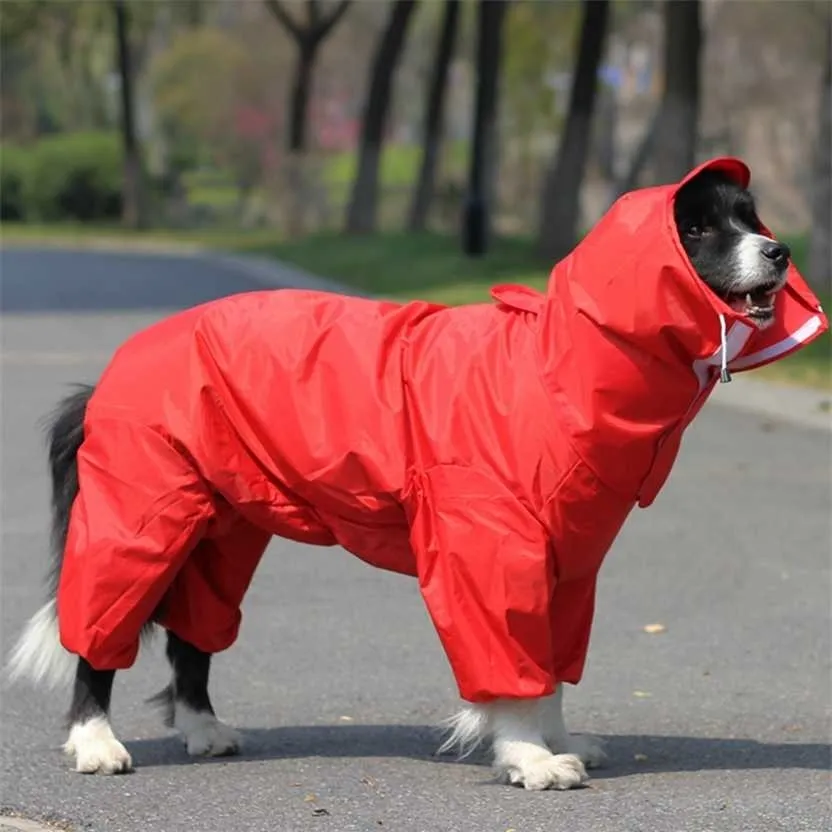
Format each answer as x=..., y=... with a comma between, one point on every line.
x=640, y=758
x=642, y=694
x=310, y=798
x=655, y=628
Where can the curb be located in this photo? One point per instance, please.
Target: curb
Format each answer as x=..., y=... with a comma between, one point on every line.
x=274, y=275
x=106, y=245
x=13, y=823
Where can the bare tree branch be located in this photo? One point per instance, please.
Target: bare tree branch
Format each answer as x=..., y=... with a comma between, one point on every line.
x=285, y=19
x=337, y=13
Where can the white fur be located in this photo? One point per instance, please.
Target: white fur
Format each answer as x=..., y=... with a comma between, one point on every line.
x=752, y=267
x=521, y=731
x=204, y=734
x=96, y=748
x=589, y=749
x=38, y=654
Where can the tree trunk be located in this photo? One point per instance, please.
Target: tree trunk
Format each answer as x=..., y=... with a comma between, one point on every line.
x=560, y=206
x=132, y=213
x=434, y=112
x=820, y=243
x=476, y=221
x=301, y=93
x=638, y=162
x=308, y=38
x=363, y=206
x=678, y=126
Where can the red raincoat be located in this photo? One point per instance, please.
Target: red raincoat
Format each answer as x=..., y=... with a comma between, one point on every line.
x=492, y=450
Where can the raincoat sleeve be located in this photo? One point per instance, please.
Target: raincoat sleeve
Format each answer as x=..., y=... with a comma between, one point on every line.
x=140, y=509
x=486, y=575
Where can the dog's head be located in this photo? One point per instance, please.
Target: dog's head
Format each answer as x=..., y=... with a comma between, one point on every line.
x=719, y=228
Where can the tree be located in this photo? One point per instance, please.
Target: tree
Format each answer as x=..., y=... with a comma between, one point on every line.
x=215, y=101
x=308, y=39
x=434, y=111
x=132, y=197
x=363, y=205
x=481, y=175
x=820, y=243
x=560, y=204
x=678, y=125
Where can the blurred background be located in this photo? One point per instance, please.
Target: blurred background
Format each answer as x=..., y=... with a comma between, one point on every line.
x=406, y=147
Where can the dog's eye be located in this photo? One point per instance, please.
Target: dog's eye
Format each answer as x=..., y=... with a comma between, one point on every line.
x=694, y=230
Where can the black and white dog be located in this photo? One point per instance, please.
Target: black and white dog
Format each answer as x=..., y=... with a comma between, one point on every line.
x=722, y=235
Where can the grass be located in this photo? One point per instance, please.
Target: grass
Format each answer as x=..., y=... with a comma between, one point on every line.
x=84, y=234
x=398, y=265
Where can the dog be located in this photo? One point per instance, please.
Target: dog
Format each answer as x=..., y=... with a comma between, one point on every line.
x=718, y=228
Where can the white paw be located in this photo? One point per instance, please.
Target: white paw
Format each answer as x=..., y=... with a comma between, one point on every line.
x=542, y=770
x=589, y=749
x=96, y=749
x=204, y=734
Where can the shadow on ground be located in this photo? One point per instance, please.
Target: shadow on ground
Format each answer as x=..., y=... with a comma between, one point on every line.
x=655, y=753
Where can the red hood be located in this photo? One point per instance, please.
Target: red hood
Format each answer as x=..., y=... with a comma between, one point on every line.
x=630, y=337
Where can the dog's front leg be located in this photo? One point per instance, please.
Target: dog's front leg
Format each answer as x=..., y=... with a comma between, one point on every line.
x=521, y=755
x=589, y=749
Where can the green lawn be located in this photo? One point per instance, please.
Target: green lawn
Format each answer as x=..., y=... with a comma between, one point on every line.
x=398, y=265
x=82, y=235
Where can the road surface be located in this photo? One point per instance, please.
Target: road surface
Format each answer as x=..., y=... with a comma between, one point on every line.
x=720, y=722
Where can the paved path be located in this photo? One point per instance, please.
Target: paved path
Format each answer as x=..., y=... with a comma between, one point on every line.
x=720, y=723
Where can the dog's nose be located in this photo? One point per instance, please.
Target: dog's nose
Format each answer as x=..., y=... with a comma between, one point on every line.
x=778, y=252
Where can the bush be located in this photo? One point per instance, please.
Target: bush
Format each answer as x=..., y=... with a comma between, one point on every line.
x=13, y=163
x=75, y=176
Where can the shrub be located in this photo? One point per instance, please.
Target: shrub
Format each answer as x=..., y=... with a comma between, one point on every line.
x=13, y=164
x=74, y=176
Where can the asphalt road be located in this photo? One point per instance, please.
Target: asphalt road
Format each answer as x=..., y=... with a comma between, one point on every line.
x=721, y=722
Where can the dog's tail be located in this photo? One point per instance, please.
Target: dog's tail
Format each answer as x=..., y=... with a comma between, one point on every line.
x=38, y=654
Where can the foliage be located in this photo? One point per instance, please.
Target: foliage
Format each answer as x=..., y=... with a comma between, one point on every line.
x=538, y=43
x=209, y=93
x=74, y=176
x=13, y=166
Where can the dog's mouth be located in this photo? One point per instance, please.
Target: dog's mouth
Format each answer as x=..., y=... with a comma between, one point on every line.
x=758, y=304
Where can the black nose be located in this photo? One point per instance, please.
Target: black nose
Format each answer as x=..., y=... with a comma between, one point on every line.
x=778, y=252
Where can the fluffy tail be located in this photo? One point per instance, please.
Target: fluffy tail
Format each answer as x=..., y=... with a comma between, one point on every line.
x=38, y=654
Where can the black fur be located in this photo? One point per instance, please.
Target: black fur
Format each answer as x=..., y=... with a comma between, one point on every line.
x=90, y=694
x=65, y=433
x=190, y=680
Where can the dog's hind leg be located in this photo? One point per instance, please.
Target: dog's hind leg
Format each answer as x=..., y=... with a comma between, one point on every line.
x=187, y=706
x=221, y=568
x=91, y=739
